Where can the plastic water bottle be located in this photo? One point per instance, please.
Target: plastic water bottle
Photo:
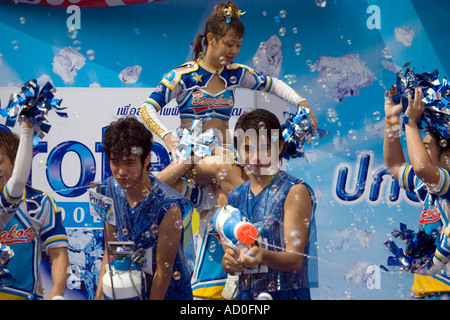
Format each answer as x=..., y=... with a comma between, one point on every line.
x=126, y=281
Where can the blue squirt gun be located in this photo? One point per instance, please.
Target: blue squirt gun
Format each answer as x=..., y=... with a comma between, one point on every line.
x=234, y=231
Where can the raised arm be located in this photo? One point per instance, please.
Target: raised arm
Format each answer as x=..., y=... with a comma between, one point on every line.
x=14, y=188
x=392, y=148
x=285, y=92
x=424, y=167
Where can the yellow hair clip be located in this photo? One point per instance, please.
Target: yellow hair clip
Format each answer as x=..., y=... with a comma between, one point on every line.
x=229, y=13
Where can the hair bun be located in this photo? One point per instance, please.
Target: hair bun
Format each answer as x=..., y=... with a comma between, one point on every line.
x=228, y=10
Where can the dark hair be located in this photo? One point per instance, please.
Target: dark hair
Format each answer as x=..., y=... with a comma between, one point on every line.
x=218, y=26
x=9, y=143
x=125, y=134
x=442, y=148
x=257, y=119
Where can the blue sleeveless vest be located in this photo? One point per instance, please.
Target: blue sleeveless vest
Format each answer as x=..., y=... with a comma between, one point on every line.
x=138, y=224
x=266, y=211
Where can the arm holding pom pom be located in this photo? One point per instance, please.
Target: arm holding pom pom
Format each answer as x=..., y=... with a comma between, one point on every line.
x=297, y=129
x=441, y=256
x=392, y=148
x=419, y=150
x=14, y=188
x=314, y=122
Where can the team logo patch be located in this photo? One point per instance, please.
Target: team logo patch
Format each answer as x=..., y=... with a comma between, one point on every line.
x=430, y=216
x=15, y=235
x=202, y=102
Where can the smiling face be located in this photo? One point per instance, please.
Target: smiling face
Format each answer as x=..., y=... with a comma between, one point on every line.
x=222, y=51
x=258, y=152
x=9, y=142
x=438, y=157
x=6, y=168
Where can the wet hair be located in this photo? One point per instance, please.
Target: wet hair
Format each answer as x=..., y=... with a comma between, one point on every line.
x=257, y=119
x=9, y=143
x=218, y=26
x=442, y=148
x=126, y=136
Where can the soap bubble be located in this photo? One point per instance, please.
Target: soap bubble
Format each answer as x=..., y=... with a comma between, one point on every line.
x=386, y=53
x=376, y=116
x=15, y=44
x=352, y=134
x=177, y=275
x=90, y=54
x=77, y=45
x=154, y=228
x=332, y=115
x=321, y=3
x=72, y=33
x=298, y=48
x=269, y=220
x=179, y=224
x=290, y=79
